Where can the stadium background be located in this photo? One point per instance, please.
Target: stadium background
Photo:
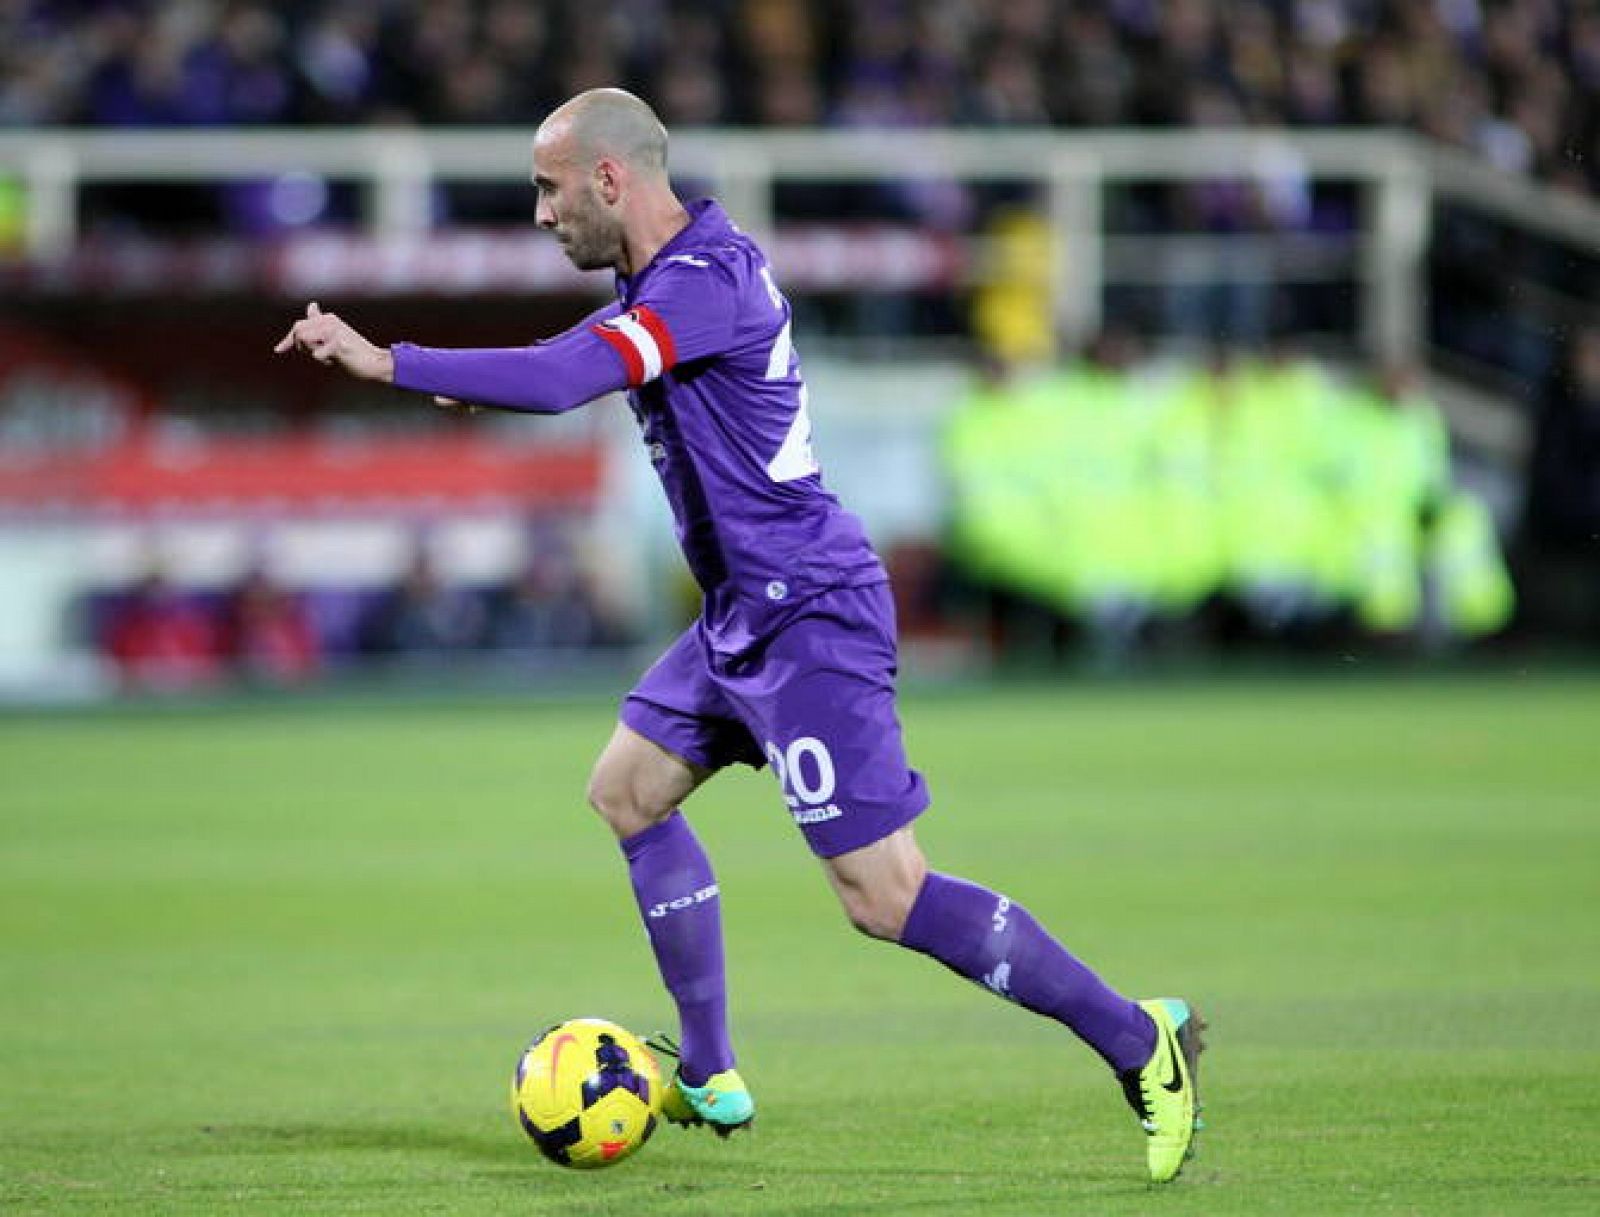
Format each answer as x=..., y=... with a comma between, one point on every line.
x=1391, y=211
x=302, y=680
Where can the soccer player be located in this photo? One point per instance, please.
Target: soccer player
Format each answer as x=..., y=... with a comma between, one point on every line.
x=792, y=660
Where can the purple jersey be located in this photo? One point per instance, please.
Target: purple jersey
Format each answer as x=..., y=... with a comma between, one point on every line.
x=700, y=338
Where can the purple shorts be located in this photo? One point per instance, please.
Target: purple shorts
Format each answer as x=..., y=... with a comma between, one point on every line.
x=814, y=699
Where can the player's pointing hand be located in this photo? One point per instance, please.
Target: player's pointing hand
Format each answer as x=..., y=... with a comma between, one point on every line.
x=329, y=340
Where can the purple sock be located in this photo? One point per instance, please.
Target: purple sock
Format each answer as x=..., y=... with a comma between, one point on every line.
x=682, y=912
x=988, y=939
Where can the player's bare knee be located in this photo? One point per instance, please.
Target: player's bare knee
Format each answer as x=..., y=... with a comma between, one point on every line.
x=616, y=798
x=877, y=912
x=636, y=783
x=878, y=884
x=602, y=793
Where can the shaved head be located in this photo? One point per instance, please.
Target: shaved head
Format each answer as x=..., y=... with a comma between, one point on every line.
x=609, y=123
x=600, y=168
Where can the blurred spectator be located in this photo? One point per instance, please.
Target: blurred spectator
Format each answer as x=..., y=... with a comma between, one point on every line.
x=336, y=57
x=548, y=606
x=1561, y=519
x=787, y=96
x=1564, y=482
x=1094, y=86
x=689, y=93
x=1311, y=95
x=1105, y=497
x=690, y=84
x=423, y=616
x=1013, y=306
x=13, y=214
x=1008, y=89
x=1222, y=290
x=269, y=636
x=1393, y=476
x=249, y=67
x=1001, y=535
x=163, y=639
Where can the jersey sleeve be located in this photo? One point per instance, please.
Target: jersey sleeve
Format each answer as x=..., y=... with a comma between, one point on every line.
x=549, y=377
x=686, y=312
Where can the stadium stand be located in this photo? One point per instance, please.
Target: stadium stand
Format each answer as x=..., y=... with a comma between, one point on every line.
x=221, y=472
x=1516, y=81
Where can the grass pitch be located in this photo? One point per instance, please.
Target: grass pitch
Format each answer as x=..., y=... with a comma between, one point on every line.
x=281, y=959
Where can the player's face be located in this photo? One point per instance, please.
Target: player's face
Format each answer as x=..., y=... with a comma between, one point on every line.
x=570, y=206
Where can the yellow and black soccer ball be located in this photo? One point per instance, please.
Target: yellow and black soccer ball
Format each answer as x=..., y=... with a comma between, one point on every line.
x=587, y=1092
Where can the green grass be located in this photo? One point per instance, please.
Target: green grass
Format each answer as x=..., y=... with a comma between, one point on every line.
x=281, y=959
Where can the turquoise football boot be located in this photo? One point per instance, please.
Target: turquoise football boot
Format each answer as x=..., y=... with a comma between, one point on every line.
x=723, y=1104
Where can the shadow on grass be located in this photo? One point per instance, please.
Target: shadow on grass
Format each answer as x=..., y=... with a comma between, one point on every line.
x=308, y=1165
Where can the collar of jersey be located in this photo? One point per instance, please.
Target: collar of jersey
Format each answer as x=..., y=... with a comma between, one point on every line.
x=706, y=219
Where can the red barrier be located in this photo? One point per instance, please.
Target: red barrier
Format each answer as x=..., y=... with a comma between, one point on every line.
x=300, y=472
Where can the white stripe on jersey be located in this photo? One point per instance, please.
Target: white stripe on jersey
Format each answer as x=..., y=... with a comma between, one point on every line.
x=778, y=359
x=794, y=459
x=643, y=343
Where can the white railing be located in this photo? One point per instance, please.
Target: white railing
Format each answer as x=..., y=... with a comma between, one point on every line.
x=1401, y=177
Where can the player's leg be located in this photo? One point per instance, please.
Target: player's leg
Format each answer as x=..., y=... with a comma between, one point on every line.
x=637, y=787
x=888, y=892
x=672, y=737
x=832, y=734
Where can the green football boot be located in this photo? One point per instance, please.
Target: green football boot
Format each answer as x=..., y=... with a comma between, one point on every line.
x=1165, y=1093
x=723, y=1104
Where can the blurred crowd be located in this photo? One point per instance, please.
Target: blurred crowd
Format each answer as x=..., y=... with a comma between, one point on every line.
x=1104, y=506
x=1516, y=81
x=1244, y=497
x=161, y=636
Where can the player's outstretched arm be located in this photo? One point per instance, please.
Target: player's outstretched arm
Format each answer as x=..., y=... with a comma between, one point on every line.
x=330, y=340
x=548, y=377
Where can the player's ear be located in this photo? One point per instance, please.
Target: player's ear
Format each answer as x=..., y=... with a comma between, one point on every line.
x=609, y=179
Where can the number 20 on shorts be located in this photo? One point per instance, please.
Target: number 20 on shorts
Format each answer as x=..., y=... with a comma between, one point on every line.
x=806, y=775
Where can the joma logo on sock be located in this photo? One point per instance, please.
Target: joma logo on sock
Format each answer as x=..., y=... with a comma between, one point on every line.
x=999, y=981
x=682, y=902
x=998, y=919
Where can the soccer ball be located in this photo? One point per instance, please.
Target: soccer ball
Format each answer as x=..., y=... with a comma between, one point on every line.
x=587, y=1092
